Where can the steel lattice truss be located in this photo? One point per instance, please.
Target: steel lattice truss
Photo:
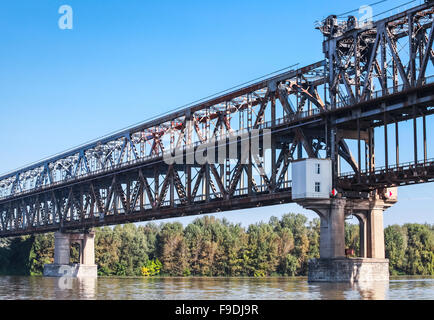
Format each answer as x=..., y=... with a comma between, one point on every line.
x=309, y=112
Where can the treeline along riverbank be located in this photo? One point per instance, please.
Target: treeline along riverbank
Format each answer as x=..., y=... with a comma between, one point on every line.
x=213, y=247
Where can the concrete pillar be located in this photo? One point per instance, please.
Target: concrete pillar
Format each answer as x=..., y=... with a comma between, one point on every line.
x=61, y=266
x=372, y=229
x=62, y=245
x=376, y=232
x=332, y=236
x=88, y=248
x=363, y=233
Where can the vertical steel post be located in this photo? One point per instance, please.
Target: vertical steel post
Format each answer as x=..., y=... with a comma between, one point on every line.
x=412, y=52
x=359, y=155
x=172, y=187
x=386, y=145
x=383, y=65
x=397, y=143
x=207, y=182
x=250, y=167
x=424, y=140
x=188, y=182
x=415, y=134
x=357, y=66
x=273, y=143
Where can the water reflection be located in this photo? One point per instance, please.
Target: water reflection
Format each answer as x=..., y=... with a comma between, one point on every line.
x=39, y=288
x=350, y=291
x=373, y=290
x=87, y=287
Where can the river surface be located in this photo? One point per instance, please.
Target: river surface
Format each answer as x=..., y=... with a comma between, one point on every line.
x=39, y=288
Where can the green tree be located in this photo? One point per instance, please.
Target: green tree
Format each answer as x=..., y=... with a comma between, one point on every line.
x=151, y=231
x=107, y=248
x=172, y=250
x=132, y=251
x=314, y=239
x=263, y=248
x=352, y=237
x=297, y=224
x=41, y=253
x=420, y=248
x=15, y=255
x=395, y=238
x=290, y=265
x=235, y=246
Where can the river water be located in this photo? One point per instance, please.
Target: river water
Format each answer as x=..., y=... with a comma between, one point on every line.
x=39, y=288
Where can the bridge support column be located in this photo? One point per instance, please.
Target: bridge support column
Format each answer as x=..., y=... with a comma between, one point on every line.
x=375, y=239
x=370, y=216
x=62, y=245
x=333, y=266
x=363, y=234
x=62, y=266
x=332, y=215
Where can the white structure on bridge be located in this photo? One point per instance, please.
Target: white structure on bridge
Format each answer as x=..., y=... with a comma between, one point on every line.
x=311, y=179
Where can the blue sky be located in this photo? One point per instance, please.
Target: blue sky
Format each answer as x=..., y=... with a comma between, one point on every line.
x=125, y=61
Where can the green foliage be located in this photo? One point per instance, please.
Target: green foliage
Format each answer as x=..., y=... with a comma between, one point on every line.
x=152, y=268
x=313, y=235
x=410, y=249
x=352, y=236
x=259, y=274
x=120, y=269
x=172, y=249
x=420, y=248
x=132, y=251
x=290, y=265
x=213, y=247
x=107, y=244
x=186, y=272
x=15, y=256
x=262, y=249
x=4, y=255
x=42, y=253
x=396, y=245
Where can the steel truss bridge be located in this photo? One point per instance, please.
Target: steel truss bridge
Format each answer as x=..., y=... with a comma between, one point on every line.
x=373, y=77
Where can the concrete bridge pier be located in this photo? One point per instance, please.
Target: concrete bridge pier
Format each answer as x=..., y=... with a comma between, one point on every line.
x=62, y=266
x=371, y=230
x=333, y=265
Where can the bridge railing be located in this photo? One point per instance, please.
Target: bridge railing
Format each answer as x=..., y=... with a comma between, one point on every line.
x=391, y=168
x=290, y=118
x=346, y=101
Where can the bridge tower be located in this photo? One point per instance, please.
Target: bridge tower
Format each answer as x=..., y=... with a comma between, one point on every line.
x=61, y=267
